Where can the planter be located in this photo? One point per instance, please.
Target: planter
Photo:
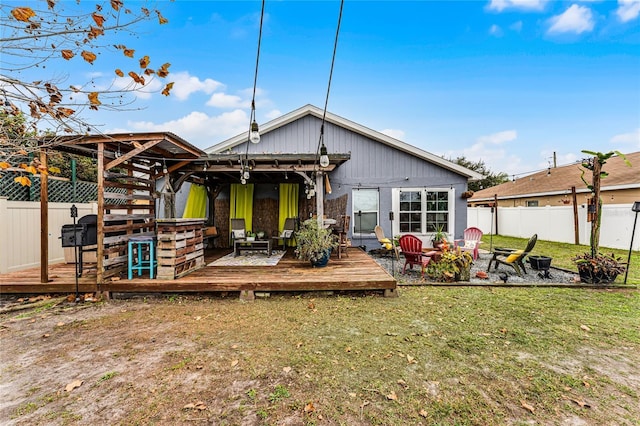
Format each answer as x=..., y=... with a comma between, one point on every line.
x=322, y=262
x=540, y=263
x=589, y=276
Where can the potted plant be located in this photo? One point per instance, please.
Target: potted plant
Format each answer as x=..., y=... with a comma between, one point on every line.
x=453, y=265
x=314, y=243
x=439, y=237
x=594, y=267
x=598, y=269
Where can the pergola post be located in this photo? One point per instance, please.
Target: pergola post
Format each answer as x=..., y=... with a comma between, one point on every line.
x=44, y=219
x=100, y=225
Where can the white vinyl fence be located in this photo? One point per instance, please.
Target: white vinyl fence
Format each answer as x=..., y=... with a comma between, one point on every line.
x=20, y=232
x=555, y=223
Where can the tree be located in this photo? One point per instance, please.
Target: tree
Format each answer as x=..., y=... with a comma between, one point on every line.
x=595, y=164
x=491, y=179
x=40, y=33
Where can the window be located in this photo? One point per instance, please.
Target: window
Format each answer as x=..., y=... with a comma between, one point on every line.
x=365, y=210
x=532, y=203
x=423, y=210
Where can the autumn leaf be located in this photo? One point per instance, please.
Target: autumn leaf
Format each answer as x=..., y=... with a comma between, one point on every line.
x=309, y=408
x=53, y=169
x=129, y=52
x=423, y=413
x=167, y=89
x=23, y=13
x=392, y=396
x=527, y=406
x=161, y=18
x=22, y=165
x=88, y=56
x=67, y=54
x=65, y=112
x=164, y=70
x=93, y=98
x=119, y=72
x=585, y=327
x=98, y=19
x=149, y=71
x=51, y=3
x=75, y=384
x=4, y=165
x=31, y=170
x=144, y=61
x=95, y=32
x=138, y=79
x=116, y=4
x=197, y=406
x=234, y=362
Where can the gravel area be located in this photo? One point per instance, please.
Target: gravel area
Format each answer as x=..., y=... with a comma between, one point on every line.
x=480, y=264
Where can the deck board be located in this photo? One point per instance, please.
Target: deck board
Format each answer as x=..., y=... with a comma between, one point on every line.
x=357, y=271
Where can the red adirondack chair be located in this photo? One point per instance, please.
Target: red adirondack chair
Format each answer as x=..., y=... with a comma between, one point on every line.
x=411, y=247
x=470, y=241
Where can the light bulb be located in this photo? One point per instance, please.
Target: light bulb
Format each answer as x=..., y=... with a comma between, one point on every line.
x=245, y=175
x=254, y=133
x=243, y=181
x=324, y=157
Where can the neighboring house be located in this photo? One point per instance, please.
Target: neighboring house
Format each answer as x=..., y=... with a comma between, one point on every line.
x=553, y=187
x=370, y=173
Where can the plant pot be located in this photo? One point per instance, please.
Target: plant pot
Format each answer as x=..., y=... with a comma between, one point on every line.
x=540, y=263
x=322, y=262
x=589, y=276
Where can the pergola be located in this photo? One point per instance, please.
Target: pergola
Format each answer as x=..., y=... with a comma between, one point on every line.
x=133, y=162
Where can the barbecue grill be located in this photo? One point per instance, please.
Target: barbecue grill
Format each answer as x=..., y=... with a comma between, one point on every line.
x=82, y=234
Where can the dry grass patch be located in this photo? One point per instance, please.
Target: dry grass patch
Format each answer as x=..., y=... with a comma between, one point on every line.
x=433, y=355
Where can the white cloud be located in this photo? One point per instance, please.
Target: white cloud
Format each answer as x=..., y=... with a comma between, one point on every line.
x=489, y=149
x=500, y=5
x=576, y=19
x=628, y=10
x=394, y=133
x=197, y=127
x=274, y=113
x=499, y=137
x=186, y=84
x=516, y=26
x=631, y=138
x=222, y=100
x=495, y=30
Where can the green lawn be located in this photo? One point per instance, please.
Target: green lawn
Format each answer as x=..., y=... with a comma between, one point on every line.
x=562, y=253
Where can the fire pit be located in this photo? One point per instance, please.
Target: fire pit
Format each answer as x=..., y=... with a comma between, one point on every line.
x=542, y=264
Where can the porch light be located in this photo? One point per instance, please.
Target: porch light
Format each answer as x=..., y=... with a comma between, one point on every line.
x=254, y=134
x=324, y=157
x=246, y=175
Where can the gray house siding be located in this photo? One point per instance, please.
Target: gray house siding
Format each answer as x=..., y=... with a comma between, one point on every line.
x=373, y=165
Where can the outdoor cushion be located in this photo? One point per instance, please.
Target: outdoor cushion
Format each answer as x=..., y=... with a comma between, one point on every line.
x=286, y=233
x=470, y=244
x=238, y=233
x=386, y=243
x=513, y=256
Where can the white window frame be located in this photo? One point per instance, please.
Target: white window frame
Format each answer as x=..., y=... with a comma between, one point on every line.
x=395, y=203
x=355, y=210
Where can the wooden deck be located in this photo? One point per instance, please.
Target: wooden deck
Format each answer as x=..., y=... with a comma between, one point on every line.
x=357, y=271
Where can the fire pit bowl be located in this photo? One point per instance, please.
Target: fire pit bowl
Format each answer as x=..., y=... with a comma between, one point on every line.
x=540, y=263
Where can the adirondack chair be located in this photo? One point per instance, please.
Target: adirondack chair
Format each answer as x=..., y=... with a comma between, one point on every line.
x=470, y=241
x=411, y=247
x=386, y=243
x=513, y=258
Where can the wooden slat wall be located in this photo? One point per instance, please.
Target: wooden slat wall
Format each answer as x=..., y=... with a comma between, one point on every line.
x=122, y=221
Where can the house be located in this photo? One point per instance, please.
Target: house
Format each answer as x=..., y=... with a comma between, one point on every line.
x=553, y=187
x=370, y=177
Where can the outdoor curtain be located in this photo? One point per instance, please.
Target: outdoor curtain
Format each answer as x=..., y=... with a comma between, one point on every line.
x=288, y=204
x=196, y=206
x=242, y=203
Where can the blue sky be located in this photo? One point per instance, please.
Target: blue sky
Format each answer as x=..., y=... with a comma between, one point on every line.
x=505, y=81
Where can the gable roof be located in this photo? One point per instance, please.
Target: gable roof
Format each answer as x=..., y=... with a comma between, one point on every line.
x=352, y=126
x=558, y=180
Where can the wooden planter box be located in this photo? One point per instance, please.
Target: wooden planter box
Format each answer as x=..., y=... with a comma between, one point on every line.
x=180, y=247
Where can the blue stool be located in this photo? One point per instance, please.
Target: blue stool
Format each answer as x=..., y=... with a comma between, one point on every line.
x=140, y=243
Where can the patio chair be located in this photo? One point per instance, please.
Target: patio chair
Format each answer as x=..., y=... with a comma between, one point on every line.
x=343, y=231
x=386, y=243
x=411, y=247
x=287, y=234
x=470, y=241
x=512, y=257
x=238, y=230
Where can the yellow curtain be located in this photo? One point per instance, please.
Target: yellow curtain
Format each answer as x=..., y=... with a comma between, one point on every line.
x=288, y=206
x=242, y=203
x=196, y=206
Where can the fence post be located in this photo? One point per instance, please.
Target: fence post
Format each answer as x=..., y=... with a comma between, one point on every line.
x=4, y=223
